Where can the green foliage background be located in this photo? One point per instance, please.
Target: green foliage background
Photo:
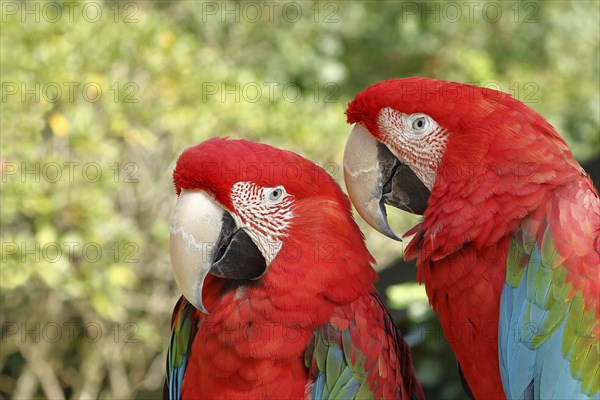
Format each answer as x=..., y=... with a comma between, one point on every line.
x=91, y=325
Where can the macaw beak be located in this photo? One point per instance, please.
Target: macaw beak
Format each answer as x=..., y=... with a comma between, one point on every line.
x=375, y=177
x=205, y=240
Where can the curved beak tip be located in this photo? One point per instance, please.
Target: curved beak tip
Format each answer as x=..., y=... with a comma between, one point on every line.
x=206, y=240
x=198, y=297
x=195, y=227
x=375, y=177
x=364, y=179
x=188, y=272
x=387, y=231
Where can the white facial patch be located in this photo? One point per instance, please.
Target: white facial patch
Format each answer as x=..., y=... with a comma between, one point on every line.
x=264, y=213
x=416, y=139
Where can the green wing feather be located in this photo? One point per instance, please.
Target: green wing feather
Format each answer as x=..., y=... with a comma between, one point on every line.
x=185, y=326
x=366, y=358
x=547, y=344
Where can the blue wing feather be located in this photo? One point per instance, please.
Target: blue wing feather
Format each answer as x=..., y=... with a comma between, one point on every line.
x=319, y=387
x=514, y=356
x=329, y=359
x=338, y=363
x=532, y=326
x=185, y=326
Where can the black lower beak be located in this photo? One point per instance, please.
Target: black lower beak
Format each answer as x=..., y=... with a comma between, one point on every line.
x=375, y=177
x=402, y=188
x=235, y=255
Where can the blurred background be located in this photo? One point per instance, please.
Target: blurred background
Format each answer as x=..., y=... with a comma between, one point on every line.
x=100, y=97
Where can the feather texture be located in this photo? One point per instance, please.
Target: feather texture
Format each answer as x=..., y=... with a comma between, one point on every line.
x=311, y=325
x=548, y=335
x=509, y=244
x=362, y=358
x=185, y=325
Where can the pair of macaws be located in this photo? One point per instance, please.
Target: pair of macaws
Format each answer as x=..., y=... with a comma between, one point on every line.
x=278, y=296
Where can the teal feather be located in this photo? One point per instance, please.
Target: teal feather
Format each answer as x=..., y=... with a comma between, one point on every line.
x=346, y=376
x=339, y=367
x=185, y=326
x=335, y=366
x=545, y=342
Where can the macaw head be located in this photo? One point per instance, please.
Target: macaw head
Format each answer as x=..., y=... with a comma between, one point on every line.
x=417, y=139
x=248, y=210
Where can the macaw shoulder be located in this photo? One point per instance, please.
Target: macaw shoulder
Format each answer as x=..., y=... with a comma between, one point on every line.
x=566, y=232
x=549, y=317
x=574, y=221
x=359, y=353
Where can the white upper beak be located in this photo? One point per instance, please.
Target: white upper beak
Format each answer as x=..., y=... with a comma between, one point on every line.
x=194, y=231
x=364, y=180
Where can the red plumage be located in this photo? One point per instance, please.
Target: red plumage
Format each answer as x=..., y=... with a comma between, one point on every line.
x=254, y=339
x=502, y=162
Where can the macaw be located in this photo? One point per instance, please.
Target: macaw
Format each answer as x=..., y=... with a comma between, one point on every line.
x=278, y=296
x=508, y=246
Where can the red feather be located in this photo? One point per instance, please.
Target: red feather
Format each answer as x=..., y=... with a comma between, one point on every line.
x=502, y=163
x=253, y=342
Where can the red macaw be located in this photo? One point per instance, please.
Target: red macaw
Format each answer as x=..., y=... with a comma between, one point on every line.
x=277, y=281
x=508, y=247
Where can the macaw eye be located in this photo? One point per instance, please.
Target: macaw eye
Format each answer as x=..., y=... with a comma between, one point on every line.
x=419, y=123
x=274, y=195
